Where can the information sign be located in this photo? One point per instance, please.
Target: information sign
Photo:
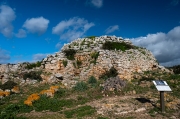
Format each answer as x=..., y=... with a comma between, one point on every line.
x=161, y=85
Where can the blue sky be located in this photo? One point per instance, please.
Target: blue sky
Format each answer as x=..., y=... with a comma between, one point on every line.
x=31, y=29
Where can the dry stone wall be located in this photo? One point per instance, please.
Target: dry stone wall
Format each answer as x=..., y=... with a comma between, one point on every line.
x=125, y=62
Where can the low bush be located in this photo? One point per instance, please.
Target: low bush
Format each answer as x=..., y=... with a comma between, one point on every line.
x=92, y=80
x=8, y=85
x=10, y=112
x=69, y=53
x=80, y=86
x=116, y=45
x=111, y=73
x=33, y=65
x=35, y=75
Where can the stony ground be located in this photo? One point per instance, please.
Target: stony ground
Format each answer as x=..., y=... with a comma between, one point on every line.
x=139, y=99
x=125, y=107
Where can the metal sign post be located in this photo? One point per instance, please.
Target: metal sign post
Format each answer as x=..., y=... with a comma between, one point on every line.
x=162, y=86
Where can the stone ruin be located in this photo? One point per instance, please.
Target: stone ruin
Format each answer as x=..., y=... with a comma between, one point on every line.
x=125, y=62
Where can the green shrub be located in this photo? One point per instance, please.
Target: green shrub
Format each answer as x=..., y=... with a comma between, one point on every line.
x=10, y=111
x=69, y=53
x=111, y=73
x=8, y=85
x=79, y=63
x=92, y=80
x=60, y=93
x=36, y=75
x=65, y=63
x=80, y=86
x=116, y=45
x=33, y=65
x=94, y=55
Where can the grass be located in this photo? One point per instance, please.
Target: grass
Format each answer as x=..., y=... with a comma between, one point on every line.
x=80, y=112
x=73, y=103
x=52, y=104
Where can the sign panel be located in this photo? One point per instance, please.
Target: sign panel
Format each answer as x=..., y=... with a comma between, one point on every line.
x=161, y=85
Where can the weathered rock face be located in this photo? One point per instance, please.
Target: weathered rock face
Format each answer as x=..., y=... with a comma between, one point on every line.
x=85, y=64
x=125, y=62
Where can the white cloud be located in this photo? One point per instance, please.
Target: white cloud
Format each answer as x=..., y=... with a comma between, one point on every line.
x=7, y=15
x=165, y=47
x=59, y=45
x=39, y=56
x=21, y=33
x=72, y=28
x=112, y=29
x=36, y=25
x=97, y=3
x=4, y=56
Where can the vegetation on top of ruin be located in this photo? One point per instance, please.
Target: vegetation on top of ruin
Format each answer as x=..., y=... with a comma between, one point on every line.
x=116, y=45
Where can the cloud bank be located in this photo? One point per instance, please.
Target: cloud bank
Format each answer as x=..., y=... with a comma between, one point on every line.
x=164, y=46
x=111, y=29
x=72, y=28
x=37, y=25
x=97, y=3
x=7, y=15
x=4, y=56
